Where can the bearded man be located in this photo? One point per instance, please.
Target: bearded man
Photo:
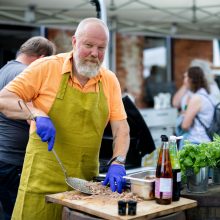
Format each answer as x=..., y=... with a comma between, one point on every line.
x=73, y=99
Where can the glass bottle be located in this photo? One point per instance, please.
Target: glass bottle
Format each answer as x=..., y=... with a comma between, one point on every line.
x=164, y=175
x=175, y=167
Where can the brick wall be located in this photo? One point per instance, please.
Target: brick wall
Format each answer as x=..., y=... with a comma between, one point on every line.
x=129, y=65
x=184, y=51
x=61, y=38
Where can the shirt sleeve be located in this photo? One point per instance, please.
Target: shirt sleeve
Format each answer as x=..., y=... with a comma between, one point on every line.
x=116, y=107
x=27, y=84
x=36, y=83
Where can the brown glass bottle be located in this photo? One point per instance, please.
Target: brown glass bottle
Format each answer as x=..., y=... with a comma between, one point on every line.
x=164, y=176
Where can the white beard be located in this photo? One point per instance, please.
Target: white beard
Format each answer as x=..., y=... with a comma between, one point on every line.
x=86, y=68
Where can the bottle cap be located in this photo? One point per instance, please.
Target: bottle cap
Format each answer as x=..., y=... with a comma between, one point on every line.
x=174, y=138
x=164, y=137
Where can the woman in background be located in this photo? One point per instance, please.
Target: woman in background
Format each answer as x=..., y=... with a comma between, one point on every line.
x=181, y=97
x=200, y=104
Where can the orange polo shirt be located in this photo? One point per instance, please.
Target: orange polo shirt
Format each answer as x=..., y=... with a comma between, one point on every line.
x=40, y=81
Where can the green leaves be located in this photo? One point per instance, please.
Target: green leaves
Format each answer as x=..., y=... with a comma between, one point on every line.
x=194, y=156
x=214, y=151
x=188, y=162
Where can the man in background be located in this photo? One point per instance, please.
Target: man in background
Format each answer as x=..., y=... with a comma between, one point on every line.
x=14, y=134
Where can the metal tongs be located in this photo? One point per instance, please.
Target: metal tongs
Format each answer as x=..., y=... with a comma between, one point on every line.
x=75, y=183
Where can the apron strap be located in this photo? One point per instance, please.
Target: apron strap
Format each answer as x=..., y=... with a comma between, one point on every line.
x=100, y=86
x=63, y=85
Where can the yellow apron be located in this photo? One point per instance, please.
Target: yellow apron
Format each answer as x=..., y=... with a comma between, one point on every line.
x=80, y=119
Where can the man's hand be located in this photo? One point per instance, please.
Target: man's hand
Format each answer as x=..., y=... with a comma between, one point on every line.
x=115, y=177
x=46, y=130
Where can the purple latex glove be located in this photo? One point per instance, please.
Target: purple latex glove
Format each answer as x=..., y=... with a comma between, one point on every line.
x=114, y=177
x=46, y=130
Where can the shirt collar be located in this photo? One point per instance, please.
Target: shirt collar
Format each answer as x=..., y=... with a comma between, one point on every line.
x=67, y=65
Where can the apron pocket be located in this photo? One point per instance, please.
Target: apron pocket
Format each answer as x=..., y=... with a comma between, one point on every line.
x=42, y=175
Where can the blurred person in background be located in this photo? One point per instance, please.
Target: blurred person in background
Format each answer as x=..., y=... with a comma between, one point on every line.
x=14, y=134
x=74, y=97
x=201, y=104
x=182, y=96
x=153, y=84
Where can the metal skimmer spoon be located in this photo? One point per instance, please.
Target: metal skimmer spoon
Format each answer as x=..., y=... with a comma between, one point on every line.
x=75, y=183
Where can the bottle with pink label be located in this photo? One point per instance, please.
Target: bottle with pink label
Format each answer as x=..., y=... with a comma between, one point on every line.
x=164, y=175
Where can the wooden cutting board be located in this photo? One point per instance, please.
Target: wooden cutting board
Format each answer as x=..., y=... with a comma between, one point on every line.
x=107, y=208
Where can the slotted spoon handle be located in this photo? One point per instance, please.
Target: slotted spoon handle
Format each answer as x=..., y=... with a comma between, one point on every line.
x=61, y=164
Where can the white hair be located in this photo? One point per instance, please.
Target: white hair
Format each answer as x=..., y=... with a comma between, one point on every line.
x=81, y=27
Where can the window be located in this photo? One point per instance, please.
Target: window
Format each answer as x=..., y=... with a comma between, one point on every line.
x=157, y=78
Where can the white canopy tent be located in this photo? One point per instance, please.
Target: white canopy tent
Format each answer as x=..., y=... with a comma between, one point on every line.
x=191, y=18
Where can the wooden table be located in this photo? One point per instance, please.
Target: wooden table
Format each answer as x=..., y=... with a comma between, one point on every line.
x=208, y=204
x=107, y=208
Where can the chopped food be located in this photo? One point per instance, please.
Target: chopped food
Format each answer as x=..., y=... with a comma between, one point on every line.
x=99, y=190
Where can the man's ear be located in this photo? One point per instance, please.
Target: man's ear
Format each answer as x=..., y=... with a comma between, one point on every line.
x=73, y=41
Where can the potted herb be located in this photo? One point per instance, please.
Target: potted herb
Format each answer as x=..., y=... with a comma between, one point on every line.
x=194, y=163
x=214, y=151
x=194, y=157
